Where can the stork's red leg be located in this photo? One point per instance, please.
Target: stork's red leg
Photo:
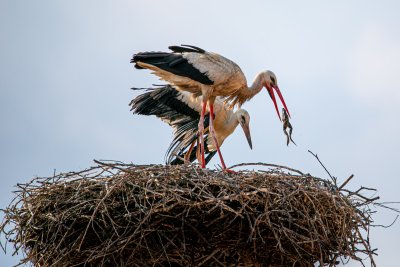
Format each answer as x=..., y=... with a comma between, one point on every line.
x=201, y=133
x=189, y=152
x=198, y=150
x=212, y=132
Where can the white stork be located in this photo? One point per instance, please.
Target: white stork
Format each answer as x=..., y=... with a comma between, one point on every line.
x=182, y=111
x=209, y=75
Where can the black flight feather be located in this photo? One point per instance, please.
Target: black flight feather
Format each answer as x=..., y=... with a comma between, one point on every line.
x=164, y=103
x=186, y=48
x=178, y=160
x=174, y=63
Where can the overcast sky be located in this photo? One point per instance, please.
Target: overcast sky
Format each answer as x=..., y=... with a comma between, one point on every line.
x=65, y=77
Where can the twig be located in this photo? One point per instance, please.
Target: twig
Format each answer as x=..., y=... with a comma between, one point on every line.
x=345, y=182
x=268, y=165
x=385, y=226
x=316, y=156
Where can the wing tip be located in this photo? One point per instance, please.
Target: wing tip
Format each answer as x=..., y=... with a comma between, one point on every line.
x=186, y=48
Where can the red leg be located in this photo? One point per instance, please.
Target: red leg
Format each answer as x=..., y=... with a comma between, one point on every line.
x=212, y=132
x=201, y=133
x=198, y=150
x=187, y=155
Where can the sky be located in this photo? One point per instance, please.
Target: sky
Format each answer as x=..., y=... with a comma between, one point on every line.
x=65, y=79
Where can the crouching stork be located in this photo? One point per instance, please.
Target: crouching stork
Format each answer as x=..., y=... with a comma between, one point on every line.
x=209, y=75
x=182, y=111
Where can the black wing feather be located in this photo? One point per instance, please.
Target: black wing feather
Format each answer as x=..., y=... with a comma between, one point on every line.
x=209, y=154
x=174, y=63
x=164, y=103
x=186, y=48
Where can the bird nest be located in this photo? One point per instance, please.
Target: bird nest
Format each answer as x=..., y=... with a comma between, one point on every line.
x=117, y=214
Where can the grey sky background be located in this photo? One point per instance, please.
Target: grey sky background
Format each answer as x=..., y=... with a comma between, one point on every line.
x=65, y=77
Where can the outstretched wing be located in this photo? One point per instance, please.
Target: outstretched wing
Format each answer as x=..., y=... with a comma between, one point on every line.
x=190, y=68
x=176, y=108
x=164, y=63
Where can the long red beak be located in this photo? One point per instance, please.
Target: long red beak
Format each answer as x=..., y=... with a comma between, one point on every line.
x=272, y=95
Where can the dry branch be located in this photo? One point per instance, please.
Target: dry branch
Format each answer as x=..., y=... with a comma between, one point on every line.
x=118, y=214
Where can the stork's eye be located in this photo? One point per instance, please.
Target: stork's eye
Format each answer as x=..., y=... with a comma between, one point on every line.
x=273, y=80
x=243, y=119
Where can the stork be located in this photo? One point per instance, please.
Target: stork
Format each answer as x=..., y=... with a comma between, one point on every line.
x=182, y=111
x=209, y=75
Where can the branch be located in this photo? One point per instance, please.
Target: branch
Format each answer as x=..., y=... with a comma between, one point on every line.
x=345, y=182
x=266, y=164
x=316, y=156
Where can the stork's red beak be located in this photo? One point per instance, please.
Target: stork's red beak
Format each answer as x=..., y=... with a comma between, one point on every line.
x=270, y=90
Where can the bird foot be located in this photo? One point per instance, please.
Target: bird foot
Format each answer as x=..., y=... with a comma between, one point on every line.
x=230, y=171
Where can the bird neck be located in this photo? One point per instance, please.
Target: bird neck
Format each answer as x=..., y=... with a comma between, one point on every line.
x=247, y=92
x=256, y=87
x=233, y=122
x=226, y=122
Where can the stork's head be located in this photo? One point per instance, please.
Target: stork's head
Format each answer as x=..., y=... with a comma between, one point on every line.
x=271, y=84
x=243, y=118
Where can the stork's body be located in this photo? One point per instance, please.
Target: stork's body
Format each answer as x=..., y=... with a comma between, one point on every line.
x=209, y=75
x=182, y=111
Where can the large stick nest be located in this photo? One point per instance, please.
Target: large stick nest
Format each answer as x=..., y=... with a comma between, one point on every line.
x=119, y=214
